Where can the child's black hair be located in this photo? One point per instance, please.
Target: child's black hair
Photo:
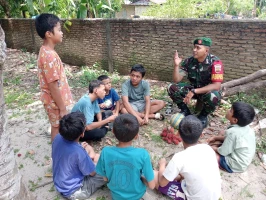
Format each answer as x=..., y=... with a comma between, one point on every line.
x=72, y=125
x=190, y=129
x=138, y=68
x=126, y=127
x=243, y=112
x=94, y=84
x=45, y=22
x=102, y=77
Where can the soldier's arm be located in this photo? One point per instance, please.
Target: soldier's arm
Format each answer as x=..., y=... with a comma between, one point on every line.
x=208, y=88
x=177, y=77
x=216, y=78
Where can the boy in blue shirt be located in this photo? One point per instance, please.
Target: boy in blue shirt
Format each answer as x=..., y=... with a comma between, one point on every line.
x=73, y=170
x=126, y=168
x=111, y=99
x=96, y=121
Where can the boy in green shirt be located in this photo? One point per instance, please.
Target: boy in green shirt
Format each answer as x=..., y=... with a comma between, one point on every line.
x=238, y=143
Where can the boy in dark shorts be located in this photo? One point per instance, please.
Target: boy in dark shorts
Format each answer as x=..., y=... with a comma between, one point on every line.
x=238, y=144
x=193, y=173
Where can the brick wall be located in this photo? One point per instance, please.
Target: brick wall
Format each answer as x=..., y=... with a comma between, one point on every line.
x=120, y=43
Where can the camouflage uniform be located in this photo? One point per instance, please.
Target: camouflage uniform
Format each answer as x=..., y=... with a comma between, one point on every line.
x=199, y=75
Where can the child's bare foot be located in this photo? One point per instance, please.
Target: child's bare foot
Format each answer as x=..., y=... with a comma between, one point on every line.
x=88, y=149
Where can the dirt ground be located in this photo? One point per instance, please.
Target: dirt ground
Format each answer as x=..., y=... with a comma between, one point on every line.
x=30, y=135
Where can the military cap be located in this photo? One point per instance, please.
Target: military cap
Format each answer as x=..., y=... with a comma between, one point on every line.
x=203, y=41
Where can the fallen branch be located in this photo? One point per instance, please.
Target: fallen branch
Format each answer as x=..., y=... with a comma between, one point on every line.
x=44, y=184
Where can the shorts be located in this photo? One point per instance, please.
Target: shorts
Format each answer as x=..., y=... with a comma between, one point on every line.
x=53, y=115
x=173, y=190
x=89, y=185
x=223, y=164
x=138, y=106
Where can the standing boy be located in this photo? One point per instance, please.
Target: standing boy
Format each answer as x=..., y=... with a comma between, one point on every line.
x=111, y=98
x=55, y=92
x=196, y=167
x=88, y=105
x=136, y=97
x=124, y=167
x=73, y=170
x=239, y=143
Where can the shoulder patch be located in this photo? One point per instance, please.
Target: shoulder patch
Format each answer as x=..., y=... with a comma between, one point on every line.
x=217, y=68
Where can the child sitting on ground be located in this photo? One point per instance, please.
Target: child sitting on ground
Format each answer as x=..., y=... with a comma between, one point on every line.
x=196, y=167
x=136, y=97
x=73, y=170
x=96, y=121
x=124, y=167
x=111, y=99
x=238, y=145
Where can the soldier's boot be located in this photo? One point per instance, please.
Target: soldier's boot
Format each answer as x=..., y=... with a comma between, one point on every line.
x=203, y=117
x=184, y=109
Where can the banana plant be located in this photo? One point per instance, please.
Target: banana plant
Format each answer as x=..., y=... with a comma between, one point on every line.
x=92, y=8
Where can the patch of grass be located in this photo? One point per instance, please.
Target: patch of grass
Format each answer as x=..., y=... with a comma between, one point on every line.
x=255, y=98
x=159, y=93
x=51, y=189
x=46, y=157
x=17, y=98
x=57, y=198
x=156, y=138
x=261, y=145
x=29, y=155
x=16, y=150
x=245, y=192
x=32, y=185
x=100, y=198
x=20, y=166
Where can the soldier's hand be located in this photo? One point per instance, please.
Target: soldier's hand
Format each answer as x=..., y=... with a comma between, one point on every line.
x=177, y=59
x=188, y=98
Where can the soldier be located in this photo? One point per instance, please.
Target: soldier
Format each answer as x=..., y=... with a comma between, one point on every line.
x=205, y=74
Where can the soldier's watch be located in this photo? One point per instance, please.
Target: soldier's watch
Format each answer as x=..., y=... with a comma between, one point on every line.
x=193, y=91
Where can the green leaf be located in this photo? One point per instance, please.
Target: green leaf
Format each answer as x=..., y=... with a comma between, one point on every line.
x=84, y=1
x=68, y=23
x=82, y=12
x=47, y=2
x=107, y=7
x=30, y=7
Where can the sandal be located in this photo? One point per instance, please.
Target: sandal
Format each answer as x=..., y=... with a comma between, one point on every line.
x=159, y=116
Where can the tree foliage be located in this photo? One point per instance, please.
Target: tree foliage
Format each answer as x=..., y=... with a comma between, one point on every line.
x=68, y=9
x=204, y=8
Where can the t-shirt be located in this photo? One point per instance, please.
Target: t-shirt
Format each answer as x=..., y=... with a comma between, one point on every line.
x=88, y=108
x=239, y=147
x=50, y=69
x=123, y=168
x=135, y=93
x=109, y=100
x=203, y=73
x=71, y=163
x=199, y=167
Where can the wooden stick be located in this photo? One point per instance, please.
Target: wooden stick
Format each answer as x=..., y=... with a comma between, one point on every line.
x=44, y=184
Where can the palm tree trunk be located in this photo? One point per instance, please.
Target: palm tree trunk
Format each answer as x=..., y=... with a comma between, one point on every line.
x=11, y=186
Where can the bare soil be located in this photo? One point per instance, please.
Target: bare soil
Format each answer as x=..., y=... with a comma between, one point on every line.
x=30, y=135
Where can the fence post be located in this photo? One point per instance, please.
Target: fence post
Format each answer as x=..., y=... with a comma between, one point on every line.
x=109, y=47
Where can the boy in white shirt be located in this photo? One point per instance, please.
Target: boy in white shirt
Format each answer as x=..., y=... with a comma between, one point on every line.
x=192, y=174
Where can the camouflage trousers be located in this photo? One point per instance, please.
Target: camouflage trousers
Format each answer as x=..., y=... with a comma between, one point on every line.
x=210, y=100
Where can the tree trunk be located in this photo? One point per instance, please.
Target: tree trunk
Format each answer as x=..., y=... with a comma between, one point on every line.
x=11, y=186
x=244, y=84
